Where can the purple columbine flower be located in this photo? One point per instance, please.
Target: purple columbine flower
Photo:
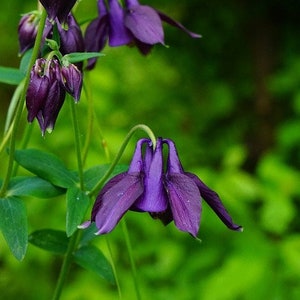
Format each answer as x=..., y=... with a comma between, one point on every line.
x=168, y=195
x=27, y=30
x=58, y=8
x=136, y=24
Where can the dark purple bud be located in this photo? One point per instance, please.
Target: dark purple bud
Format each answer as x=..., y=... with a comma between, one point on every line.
x=27, y=31
x=55, y=98
x=46, y=93
x=71, y=39
x=72, y=80
x=58, y=8
x=38, y=88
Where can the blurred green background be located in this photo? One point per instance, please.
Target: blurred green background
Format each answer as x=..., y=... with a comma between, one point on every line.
x=231, y=102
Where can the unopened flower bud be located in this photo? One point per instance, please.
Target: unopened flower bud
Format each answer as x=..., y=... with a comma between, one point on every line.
x=72, y=80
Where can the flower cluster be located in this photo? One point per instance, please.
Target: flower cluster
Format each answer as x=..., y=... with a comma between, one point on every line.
x=49, y=82
x=170, y=194
x=134, y=24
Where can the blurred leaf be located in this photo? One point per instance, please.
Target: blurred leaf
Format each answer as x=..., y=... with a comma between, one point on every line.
x=91, y=258
x=290, y=248
x=13, y=224
x=51, y=240
x=25, y=61
x=77, y=205
x=10, y=75
x=46, y=166
x=33, y=186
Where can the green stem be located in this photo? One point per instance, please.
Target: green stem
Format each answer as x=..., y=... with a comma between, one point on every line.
x=119, y=154
x=113, y=266
x=77, y=143
x=65, y=266
x=20, y=104
x=132, y=262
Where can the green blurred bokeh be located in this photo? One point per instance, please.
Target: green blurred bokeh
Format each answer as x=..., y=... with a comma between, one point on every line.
x=231, y=102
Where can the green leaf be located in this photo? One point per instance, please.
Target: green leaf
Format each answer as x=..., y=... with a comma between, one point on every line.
x=46, y=166
x=94, y=174
x=91, y=258
x=25, y=61
x=51, y=240
x=10, y=75
x=88, y=234
x=33, y=186
x=13, y=224
x=80, y=56
x=77, y=205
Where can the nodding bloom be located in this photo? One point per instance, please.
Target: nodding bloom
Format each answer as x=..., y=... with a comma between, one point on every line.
x=49, y=82
x=168, y=194
x=27, y=30
x=136, y=24
x=58, y=8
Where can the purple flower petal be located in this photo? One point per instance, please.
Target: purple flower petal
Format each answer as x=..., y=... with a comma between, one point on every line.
x=174, y=23
x=154, y=198
x=95, y=37
x=214, y=201
x=113, y=204
x=185, y=202
x=145, y=24
x=118, y=34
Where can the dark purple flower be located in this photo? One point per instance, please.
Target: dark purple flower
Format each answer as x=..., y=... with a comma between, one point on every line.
x=46, y=94
x=138, y=25
x=71, y=39
x=146, y=187
x=58, y=8
x=72, y=80
x=27, y=31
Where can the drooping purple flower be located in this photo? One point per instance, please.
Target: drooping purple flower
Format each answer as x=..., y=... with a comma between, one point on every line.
x=71, y=39
x=168, y=195
x=134, y=24
x=27, y=30
x=72, y=80
x=49, y=82
x=58, y=8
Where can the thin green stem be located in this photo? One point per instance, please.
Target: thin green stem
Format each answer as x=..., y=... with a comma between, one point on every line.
x=132, y=262
x=120, y=152
x=77, y=143
x=113, y=266
x=90, y=116
x=20, y=104
x=65, y=266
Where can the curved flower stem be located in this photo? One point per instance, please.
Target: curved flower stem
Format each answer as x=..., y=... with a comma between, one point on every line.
x=132, y=262
x=143, y=127
x=20, y=104
x=77, y=143
x=113, y=266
